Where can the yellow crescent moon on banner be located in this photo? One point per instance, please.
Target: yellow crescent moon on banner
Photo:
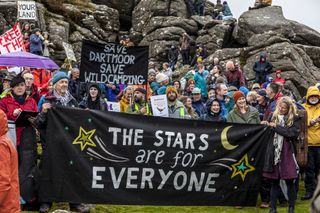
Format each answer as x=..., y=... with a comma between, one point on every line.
x=224, y=139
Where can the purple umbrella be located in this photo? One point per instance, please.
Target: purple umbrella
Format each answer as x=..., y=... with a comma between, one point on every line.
x=26, y=59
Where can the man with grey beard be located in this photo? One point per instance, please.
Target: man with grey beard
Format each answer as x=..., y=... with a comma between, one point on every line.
x=60, y=96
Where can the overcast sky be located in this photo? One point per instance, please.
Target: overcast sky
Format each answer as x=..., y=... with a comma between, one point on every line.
x=303, y=11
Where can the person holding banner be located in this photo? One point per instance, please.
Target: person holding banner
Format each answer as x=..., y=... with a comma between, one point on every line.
x=60, y=96
x=93, y=99
x=214, y=110
x=242, y=112
x=126, y=98
x=9, y=182
x=139, y=105
x=280, y=161
x=176, y=108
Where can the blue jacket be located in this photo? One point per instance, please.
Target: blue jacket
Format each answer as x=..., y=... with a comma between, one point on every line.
x=111, y=95
x=199, y=107
x=200, y=80
x=35, y=43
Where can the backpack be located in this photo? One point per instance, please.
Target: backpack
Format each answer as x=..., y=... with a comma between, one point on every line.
x=301, y=146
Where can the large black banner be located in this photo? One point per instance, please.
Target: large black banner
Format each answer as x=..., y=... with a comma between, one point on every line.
x=113, y=63
x=115, y=158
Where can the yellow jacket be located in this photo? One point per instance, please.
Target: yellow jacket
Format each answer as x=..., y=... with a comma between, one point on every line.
x=313, y=112
x=123, y=104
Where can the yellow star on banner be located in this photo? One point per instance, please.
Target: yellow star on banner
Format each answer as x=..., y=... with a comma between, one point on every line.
x=84, y=138
x=242, y=167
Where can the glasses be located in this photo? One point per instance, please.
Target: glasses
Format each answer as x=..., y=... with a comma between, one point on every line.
x=29, y=79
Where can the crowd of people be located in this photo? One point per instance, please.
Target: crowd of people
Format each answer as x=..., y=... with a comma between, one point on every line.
x=213, y=93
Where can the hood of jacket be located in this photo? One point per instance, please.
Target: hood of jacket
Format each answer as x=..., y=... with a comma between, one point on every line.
x=3, y=123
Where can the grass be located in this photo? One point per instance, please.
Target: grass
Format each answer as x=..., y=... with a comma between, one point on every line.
x=301, y=207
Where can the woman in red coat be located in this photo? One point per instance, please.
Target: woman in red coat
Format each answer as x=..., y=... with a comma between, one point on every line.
x=16, y=102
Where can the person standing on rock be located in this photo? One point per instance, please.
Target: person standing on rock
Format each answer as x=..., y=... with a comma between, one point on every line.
x=190, y=7
x=199, y=5
x=173, y=55
x=185, y=48
x=261, y=68
x=36, y=42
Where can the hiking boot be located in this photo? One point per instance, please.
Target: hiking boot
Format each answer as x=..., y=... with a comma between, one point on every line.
x=264, y=205
x=307, y=196
x=44, y=208
x=79, y=208
x=291, y=209
x=273, y=210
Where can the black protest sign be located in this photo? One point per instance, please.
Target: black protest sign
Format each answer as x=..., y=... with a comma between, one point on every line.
x=111, y=63
x=112, y=158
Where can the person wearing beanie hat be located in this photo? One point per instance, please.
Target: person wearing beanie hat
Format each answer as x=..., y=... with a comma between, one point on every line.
x=262, y=105
x=162, y=79
x=58, y=76
x=152, y=72
x=171, y=89
x=242, y=112
x=139, y=106
x=93, y=99
x=255, y=87
x=244, y=90
x=175, y=107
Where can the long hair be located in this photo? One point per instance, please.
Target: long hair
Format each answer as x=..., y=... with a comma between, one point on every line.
x=292, y=112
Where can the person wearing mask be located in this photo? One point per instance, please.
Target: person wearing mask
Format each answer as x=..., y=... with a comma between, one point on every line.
x=312, y=107
x=175, y=107
x=261, y=68
x=140, y=105
x=9, y=180
x=242, y=112
x=187, y=102
x=197, y=103
x=280, y=162
x=126, y=99
x=36, y=42
x=234, y=75
x=93, y=100
x=213, y=111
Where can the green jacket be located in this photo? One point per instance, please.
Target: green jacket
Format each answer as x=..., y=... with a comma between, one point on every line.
x=250, y=117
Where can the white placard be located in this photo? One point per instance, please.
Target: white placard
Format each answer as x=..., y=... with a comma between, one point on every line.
x=113, y=106
x=69, y=51
x=27, y=10
x=159, y=105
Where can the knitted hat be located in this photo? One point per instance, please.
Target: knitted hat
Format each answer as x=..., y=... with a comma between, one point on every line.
x=244, y=90
x=263, y=93
x=171, y=89
x=256, y=86
x=58, y=76
x=237, y=95
x=196, y=91
x=161, y=77
x=151, y=72
x=139, y=89
x=16, y=80
x=191, y=81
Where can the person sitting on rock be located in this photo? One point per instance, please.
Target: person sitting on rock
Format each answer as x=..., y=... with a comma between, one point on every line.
x=201, y=51
x=227, y=14
x=279, y=79
x=234, y=75
x=185, y=48
x=128, y=42
x=173, y=55
x=218, y=8
x=260, y=4
x=261, y=68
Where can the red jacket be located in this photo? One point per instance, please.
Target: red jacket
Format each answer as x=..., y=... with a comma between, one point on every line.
x=41, y=78
x=9, y=104
x=9, y=182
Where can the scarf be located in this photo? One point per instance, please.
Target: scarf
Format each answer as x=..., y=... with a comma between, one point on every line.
x=20, y=99
x=64, y=100
x=278, y=142
x=93, y=104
